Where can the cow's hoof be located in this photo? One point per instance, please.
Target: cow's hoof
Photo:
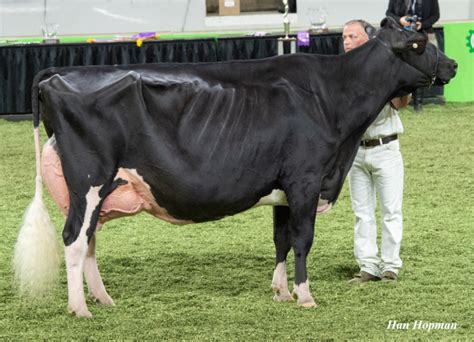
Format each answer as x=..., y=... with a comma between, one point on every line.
x=83, y=312
x=103, y=300
x=282, y=297
x=307, y=302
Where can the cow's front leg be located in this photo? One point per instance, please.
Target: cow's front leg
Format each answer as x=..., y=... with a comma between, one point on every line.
x=302, y=204
x=94, y=281
x=281, y=237
x=302, y=239
x=81, y=222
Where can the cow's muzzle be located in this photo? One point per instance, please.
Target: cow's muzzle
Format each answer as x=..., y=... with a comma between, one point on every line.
x=447, y=70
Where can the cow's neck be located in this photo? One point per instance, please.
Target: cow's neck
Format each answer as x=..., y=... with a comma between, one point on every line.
x=369, y=78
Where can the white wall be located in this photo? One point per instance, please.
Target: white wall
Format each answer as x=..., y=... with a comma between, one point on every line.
x=24, y=17
x=341, y=11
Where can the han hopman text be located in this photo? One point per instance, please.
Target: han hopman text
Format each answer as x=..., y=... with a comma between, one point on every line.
x=420, y=325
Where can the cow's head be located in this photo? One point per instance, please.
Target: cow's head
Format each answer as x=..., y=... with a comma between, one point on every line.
x=429, y=64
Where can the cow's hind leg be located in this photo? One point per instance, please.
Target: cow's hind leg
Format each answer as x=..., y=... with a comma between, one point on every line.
x=83, y=214
x=79, y=229
x=281, y=237
x=94, y=281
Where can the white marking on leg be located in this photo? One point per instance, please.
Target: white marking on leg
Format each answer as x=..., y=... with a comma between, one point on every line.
x=303, y=294
x=93, y=278
x=75, y=255
x=280, y=283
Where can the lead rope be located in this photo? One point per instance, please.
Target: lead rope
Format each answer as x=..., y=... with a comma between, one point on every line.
x=433, y=76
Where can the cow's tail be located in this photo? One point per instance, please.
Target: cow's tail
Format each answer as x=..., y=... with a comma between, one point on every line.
x=36, y=255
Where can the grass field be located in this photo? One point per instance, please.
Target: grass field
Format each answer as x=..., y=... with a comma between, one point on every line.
x=212, y=281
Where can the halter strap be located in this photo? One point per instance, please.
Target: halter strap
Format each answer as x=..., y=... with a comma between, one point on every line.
x=433, y=74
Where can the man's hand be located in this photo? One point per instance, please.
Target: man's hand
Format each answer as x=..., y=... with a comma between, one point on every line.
x=404, y=22
x=418, y=25
x=400, y=102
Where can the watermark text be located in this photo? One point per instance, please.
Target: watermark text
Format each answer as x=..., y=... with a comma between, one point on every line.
x=421, y=325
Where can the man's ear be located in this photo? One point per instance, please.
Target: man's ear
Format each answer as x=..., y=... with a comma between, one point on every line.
x=389, y=22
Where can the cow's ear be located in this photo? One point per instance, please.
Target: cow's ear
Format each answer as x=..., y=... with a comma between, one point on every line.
x=389, y=22
x=417, y=45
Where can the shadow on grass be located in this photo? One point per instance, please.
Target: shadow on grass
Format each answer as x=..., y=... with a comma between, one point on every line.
x=209, y=274
x=343, y=272
x=220, y=273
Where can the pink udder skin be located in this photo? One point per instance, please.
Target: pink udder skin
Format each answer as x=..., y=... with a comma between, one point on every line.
x=128, y=199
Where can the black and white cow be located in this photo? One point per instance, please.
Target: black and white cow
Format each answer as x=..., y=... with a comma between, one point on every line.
x=197, y=142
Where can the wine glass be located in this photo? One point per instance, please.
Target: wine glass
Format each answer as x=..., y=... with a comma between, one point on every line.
x=317, y=18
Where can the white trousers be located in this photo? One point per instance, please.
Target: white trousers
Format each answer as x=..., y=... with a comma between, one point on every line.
x=377, y=172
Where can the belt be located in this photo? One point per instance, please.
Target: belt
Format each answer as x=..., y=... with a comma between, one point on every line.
x=379, y=141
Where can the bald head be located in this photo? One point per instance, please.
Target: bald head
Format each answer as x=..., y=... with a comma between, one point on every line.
x=354, y=35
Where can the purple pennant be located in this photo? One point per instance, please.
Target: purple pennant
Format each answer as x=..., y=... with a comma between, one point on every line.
x=302, y=38
x=144, y=35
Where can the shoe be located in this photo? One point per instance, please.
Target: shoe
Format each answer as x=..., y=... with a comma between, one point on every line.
x=389, y=277
x=363, y=277
x=418, y=107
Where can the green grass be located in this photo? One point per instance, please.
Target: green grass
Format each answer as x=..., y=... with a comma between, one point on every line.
x=212, y=281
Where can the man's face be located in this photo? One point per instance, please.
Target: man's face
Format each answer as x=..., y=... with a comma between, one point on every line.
x=353, y=36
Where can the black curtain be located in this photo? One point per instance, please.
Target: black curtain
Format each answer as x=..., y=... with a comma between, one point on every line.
x=20, y=63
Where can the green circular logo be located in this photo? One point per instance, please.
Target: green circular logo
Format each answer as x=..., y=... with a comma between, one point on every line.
x=470, y=41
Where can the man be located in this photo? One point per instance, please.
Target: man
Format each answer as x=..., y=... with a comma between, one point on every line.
x=426, y=13
x=377, y=170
